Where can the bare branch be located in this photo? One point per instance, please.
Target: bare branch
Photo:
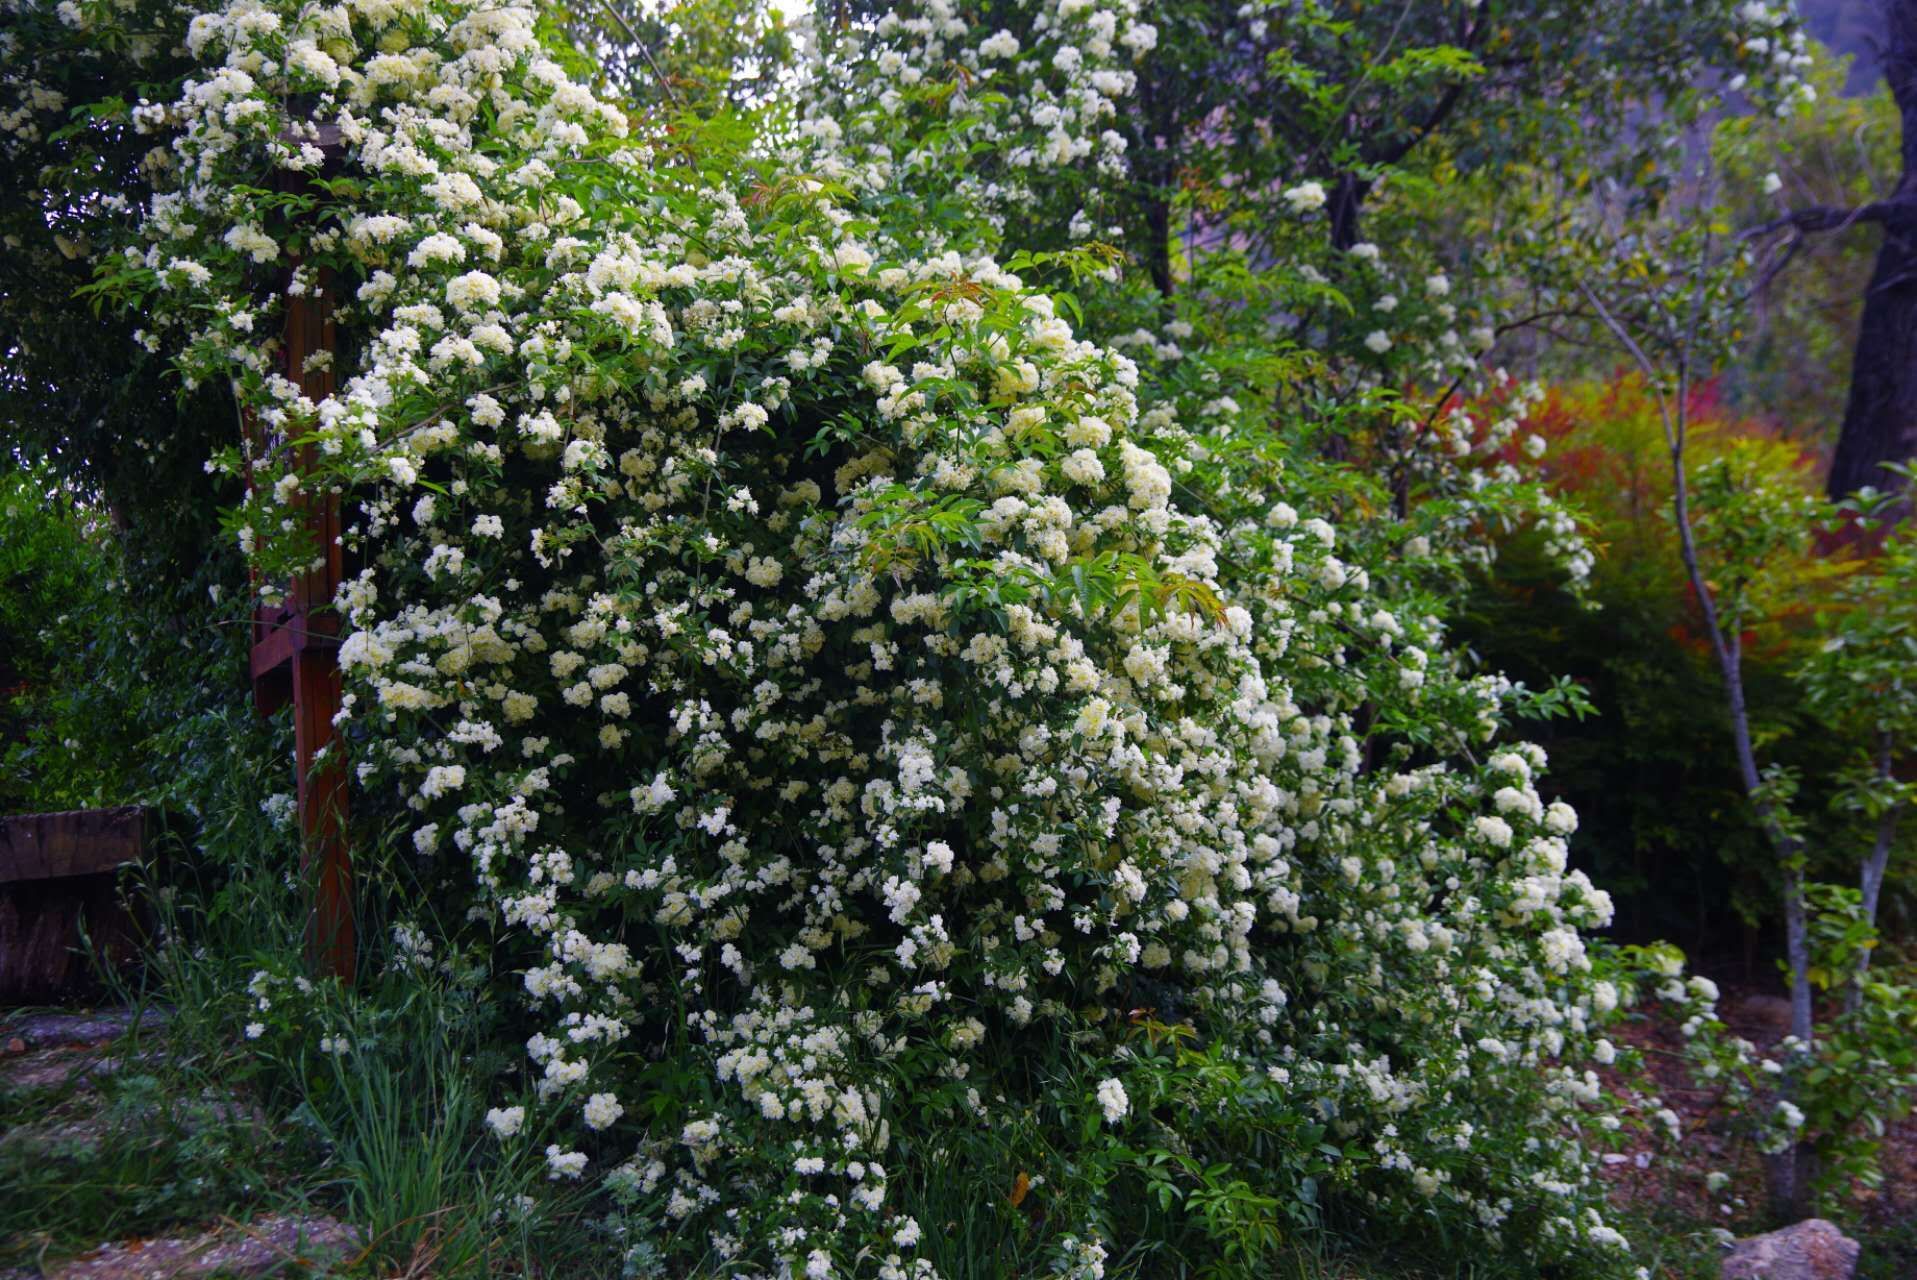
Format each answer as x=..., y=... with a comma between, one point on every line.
x=664, y=84
x=1825, y=217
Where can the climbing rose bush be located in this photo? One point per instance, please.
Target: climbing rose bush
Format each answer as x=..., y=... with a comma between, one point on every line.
x=813, y=664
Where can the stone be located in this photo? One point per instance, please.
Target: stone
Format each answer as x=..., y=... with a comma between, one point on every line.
x=55, y=1139
x=55, y=1050
x=264, y=1247
x=45, y=1030
x=51, y=1069
x=1809, y=1250
x=64, y=1134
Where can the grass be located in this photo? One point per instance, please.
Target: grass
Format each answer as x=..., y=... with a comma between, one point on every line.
x=176, y=1140
x=158, y=1143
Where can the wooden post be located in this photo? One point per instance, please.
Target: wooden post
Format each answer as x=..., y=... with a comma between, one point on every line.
x=295, y=654
x=326, y=862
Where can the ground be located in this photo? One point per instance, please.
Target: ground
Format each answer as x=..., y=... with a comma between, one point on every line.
x=1883, y=1219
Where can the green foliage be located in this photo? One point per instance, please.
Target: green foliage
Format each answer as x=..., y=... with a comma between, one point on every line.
x=58, y=574
x=167, y=1141
x=131, y=686
x=1673, y=835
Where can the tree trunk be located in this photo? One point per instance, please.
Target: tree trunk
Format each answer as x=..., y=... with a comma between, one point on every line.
x=1871, y=875
x=1790, y=1172
x=1880, y=416
x=1154, y=150
x=1789, y=1175
x=1347, y=202
x=1158, y=226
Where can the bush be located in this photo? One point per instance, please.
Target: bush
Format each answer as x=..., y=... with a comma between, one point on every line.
x=853, y=717
x=1667, y=826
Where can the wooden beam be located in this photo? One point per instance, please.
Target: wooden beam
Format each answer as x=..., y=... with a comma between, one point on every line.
x=80, y=842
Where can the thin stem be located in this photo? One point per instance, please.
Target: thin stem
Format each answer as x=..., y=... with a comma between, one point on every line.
x=1872, y=878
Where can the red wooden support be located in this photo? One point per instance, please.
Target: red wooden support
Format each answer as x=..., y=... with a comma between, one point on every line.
x=295, y=656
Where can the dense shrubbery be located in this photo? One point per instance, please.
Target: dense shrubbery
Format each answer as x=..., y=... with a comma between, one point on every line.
x=1644, y=660
x=877, y=700
x=956, y=729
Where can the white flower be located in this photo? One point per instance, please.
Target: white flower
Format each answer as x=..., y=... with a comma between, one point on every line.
x=438, y=247
x=1083, y=467
x=1378, y=340
x=1001, y=44
x=252, y=242
x=254, y=1030
x=1772, y=184
x=1493, y=830
x=602, y=1109
x=938, y=857
x=1305, y=197
x=851, y=259
x=1112, y=1100
x=472, y=291
x=561, y=1163
x=506, y=1121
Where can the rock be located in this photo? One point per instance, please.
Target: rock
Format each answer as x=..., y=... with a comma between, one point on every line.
x=51, y=1069
x=1809, y=1250
x=44, y=1030
x=55, y=1139
x=257, y=1248
x=59, y=1067
x=51, y=1050
x=69, y=1136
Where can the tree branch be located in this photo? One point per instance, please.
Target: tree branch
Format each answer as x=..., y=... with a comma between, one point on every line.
x=1826, y=217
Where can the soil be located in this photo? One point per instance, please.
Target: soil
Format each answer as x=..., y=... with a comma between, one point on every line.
x=1651, y=1182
